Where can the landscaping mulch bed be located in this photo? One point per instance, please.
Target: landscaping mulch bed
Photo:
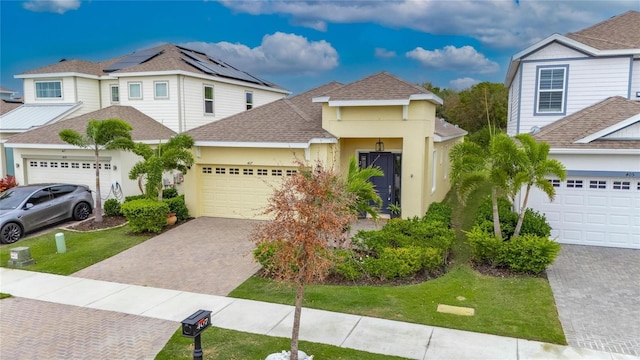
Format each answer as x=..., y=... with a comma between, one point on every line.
x=109, y=222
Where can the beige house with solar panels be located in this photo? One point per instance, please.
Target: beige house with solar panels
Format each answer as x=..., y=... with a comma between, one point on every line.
x=580, y=92
x=381, y=120
x=178, y=87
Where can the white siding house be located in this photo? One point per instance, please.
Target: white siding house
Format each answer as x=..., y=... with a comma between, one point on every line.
x=580, y=92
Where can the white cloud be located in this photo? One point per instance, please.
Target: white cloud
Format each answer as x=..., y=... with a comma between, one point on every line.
x=54, y=6
x=384, y=53
x=279, y=53
x=497, y=23
x=464, y=59
x=462, y=83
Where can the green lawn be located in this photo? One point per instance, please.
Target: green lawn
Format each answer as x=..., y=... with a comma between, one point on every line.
x=83, y=249
x=4, y=296
x=521, y=307
x=234, y=345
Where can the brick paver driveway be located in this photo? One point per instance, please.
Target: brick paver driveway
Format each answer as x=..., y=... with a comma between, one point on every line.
x=597, y=292
x=205, y=255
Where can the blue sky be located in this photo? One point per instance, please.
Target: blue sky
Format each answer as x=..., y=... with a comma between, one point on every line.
x=299, y=44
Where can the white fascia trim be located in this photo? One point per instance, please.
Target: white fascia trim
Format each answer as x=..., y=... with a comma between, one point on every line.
x=269, y=145
x=613, y=128
x=323, y=141
x=560, y=151
x=430, y=97
x=56, y=75
x=438, y=138
x=200, y=76
x=368, y=102
x=152, y=142
x=45, y=146
x=320, y=99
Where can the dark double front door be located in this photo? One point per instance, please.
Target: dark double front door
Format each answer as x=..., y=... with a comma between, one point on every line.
x=388, y=186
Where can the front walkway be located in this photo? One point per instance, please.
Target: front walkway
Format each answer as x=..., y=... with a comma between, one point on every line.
x=597, y=292
x=166, y=307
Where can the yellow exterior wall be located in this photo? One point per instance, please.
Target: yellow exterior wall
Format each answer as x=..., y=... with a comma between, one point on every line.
x=359, y=128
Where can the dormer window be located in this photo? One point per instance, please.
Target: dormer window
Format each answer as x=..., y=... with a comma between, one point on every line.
x=551, y=83
x=49, y=89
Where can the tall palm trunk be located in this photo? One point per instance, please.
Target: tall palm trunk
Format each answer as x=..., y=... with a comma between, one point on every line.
x=98, y=209
x=496, y=213
x=523, y=210
x=295, y=333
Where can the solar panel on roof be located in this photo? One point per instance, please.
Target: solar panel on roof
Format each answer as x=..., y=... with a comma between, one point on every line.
x=134, y=59
x=219, y=67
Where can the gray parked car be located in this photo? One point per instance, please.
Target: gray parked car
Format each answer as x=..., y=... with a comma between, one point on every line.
x=30, y=207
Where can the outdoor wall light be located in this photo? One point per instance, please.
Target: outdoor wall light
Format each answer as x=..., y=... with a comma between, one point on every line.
x=17, y=165
x=115, y=167
x=379, y=145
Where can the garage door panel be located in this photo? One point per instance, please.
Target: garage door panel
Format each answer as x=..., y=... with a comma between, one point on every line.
x=605, y=215
x=238, y=191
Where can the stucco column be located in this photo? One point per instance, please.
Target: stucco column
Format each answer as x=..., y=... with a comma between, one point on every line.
x=413, y=175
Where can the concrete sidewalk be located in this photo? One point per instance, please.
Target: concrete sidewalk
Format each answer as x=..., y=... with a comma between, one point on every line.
x=381, y=336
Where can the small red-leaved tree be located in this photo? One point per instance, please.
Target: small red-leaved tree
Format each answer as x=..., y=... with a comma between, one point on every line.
x=310, y=211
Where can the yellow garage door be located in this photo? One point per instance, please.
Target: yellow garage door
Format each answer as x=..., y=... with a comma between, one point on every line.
x=239, y=191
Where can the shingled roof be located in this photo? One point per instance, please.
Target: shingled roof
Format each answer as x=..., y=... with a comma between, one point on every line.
x=167, y=57
x=618, y=32
x=565, y=132
x=144, y=127
x=293, y=120
x=380, y=86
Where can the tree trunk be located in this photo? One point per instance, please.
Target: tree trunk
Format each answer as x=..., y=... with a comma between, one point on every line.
x=523, y=209
x=496, y=213
x=98, y=208
x=295, y=333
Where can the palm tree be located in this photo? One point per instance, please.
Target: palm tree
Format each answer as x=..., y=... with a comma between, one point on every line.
x=365, y=193
x=109, y=134
x=536, y=167
x=174, y=154
x=473, y=165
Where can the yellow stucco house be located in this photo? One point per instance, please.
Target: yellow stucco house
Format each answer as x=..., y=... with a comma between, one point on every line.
x=381, y=120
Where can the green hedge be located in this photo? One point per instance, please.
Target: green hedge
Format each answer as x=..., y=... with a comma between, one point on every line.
x=112, y=208
x=145, y=215
x=526, y=253
x=534, y=223
x=177, y=206
x=439, y=211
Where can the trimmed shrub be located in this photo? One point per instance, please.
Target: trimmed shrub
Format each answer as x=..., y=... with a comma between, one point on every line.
x=145, y=215
x=112, y=207
x=264, y=253
x=134, y=197
x=347, y=264
x=439, y=211
x=431, y=258
x=395, y=263
x=534, y=223
x=178, y=207
x=169, y=193
x=485, y=248
x=529, y=253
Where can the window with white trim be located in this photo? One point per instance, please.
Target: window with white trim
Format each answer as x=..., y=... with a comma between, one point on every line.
x=208, y=99
x=434, y=169
x=248, y=95
x=597, y=184
x=49, y=89
x=220, y=171
x=115, y=94
x=135, y=90
x=234, y=171
x=555, y=182
x=263, y=172
x=206, y=170
x=551, y=89
x=161, y=89
x=247, y=171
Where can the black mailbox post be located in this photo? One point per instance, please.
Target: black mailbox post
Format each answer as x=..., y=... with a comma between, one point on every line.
x=193, y=326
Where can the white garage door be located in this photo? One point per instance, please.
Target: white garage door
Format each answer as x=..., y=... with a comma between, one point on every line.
x=239, y=191
x=593, y=211
x=69, y=171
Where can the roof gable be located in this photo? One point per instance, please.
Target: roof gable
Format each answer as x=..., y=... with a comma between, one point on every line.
x=144, y=127
x=589, y=127
x=381, y=88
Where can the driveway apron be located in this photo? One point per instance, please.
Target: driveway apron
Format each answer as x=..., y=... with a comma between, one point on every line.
x=205, y=255
x=597, y=292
